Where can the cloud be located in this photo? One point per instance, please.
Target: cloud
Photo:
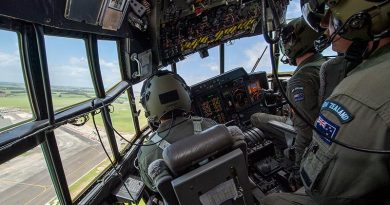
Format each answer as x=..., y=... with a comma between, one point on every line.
x=294, y=10
x=253, y=53
x=78, y=61
x=9, y=59
x=75, y=72
x=110, y=72
x=213, y=66
x=109, y=65
x=10, y=67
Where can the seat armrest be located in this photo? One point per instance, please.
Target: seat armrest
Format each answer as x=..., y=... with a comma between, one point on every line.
x=159, y=173
x=286, y=128
x=164, y=187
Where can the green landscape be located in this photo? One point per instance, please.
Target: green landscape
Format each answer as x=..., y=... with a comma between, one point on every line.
x=14, y=96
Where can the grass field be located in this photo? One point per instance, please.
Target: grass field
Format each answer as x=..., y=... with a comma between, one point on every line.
x=15, y=98
x=19, y=101
x=120, y=115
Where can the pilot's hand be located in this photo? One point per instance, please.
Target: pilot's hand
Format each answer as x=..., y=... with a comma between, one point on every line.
x=295, y=179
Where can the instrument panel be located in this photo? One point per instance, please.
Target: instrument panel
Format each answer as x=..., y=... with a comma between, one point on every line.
x=234, y=95
x=189, y=26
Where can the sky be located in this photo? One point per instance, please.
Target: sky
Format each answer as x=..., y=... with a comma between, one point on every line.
x=68, y=66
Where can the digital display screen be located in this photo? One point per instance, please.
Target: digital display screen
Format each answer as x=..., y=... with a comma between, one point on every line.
x=254, y=87
x=211, y=107
x=254, y=90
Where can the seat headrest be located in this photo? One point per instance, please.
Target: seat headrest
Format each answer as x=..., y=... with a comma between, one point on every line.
x=193, y=149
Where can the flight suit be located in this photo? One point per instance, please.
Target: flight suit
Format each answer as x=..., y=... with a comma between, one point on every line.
x=302, y=91
x=332, y=72
x=181, y=127
x=358, y=114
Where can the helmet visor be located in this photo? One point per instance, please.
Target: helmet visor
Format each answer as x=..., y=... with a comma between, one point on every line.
x=287, y=35
x=313, y=12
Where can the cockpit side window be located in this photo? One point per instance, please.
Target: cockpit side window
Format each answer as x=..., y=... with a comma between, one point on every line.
x=15, y=106
x=69, y=73
x=109, y=65
x=245, y=52
x=20, y=179
x=195, y=69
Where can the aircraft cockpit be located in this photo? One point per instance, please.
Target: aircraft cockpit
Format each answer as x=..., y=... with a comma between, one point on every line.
x=63, y=141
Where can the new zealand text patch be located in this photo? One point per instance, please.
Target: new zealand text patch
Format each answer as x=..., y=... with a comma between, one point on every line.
x=337, y=109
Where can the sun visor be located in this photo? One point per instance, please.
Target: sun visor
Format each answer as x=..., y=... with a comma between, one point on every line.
x=109, y=14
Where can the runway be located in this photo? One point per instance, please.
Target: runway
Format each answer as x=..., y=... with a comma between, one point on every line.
x=26, y=180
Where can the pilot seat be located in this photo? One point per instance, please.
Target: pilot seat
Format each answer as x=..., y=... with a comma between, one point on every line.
x=208, y=168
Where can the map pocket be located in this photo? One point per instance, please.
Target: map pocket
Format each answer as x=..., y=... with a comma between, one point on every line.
x=315, y=163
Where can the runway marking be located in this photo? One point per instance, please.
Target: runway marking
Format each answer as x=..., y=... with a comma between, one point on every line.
x=85, y=163
x=36, y=196
x=27, y=184
x=22, y=183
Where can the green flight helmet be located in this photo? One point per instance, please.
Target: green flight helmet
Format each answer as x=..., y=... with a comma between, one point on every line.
x=296, y=39
x=162, y=93
x=355, y=20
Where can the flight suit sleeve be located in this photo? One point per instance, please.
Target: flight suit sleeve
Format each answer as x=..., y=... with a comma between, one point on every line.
x=143, y=171
x=333, y=174
x=302, y=92
x=146, y=155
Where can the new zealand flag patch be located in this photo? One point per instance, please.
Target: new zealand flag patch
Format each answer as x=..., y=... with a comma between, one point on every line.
x=327, y=129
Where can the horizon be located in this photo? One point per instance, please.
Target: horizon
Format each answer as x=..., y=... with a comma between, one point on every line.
x=68, y=64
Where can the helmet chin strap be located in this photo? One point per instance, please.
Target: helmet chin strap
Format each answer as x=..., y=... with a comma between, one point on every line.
x=321, y=43
x=284, y=59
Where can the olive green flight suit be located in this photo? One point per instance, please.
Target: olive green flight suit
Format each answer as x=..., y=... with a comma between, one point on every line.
x=182, y=127
x=302, y=91
x=358, y=114
x=332, y=72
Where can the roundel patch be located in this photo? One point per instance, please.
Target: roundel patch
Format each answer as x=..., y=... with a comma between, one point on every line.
x=298, y=94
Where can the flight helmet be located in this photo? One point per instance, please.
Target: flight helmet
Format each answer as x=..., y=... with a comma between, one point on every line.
x=296, y=39
x=356, y=20
x=162, y=93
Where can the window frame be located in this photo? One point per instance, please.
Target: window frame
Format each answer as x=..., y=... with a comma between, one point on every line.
x=25, y=82
x=26, y=136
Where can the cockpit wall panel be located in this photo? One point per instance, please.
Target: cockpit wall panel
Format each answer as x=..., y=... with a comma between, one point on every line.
x=51, y=13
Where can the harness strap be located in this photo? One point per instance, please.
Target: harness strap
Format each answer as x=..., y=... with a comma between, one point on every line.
x=197, y=122
x=162, y=143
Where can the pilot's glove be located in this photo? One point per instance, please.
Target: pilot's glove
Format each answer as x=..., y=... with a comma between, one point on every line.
x=295, y=179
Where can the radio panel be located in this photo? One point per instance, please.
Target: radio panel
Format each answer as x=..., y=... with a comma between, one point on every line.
x=234, y=95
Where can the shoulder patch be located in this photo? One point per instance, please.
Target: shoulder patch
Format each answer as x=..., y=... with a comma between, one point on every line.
x=340, y=111
x=326, y=128
x=298, y=94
